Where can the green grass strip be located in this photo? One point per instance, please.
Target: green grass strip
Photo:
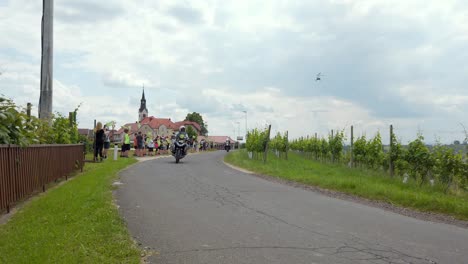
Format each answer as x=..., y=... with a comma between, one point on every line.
x=368, y=184
x=72, y=223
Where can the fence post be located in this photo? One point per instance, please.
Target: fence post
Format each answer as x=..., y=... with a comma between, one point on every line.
x=70, y=118
x=390, y=154
x=352, y=145
x=94, y=141
x=333, y=154
x=9, y=193
x=265, y=153
x=84, y=156
x=287, y=144
x=28, y=110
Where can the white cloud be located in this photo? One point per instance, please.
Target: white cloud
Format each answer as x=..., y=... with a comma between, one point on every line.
x=385, y=61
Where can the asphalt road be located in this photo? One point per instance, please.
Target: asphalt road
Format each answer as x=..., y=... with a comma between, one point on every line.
x=201, y=211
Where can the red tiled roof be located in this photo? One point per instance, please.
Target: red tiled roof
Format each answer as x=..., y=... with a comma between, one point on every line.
x=133, y=128
x=151, y=121
x=186, y=123
x=155, y=123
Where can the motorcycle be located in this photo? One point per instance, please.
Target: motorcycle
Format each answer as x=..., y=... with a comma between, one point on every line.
x=179, y=150
x=227, y=147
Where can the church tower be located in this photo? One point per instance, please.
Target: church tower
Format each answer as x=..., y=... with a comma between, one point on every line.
x=142, y=112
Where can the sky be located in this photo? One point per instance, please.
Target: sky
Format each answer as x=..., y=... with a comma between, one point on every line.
x=383, y=62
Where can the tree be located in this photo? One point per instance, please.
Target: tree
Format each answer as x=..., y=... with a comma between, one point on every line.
x=197, y=118
x=191, y=132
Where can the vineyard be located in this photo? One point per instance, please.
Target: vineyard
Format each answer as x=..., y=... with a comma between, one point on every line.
x=415, y=162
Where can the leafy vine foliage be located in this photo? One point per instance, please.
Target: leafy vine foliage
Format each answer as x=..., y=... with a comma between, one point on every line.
x=16, y=127
x=256, y=141
x=440, y=165
x=280, y=145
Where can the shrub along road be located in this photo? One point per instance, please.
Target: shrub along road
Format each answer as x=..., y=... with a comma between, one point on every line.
x=201, y=211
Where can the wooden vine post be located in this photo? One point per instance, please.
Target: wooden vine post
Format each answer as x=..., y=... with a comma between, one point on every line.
x=265, y=152
x=352, y=145
x=392, y=167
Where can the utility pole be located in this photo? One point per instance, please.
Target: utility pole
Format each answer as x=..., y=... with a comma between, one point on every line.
x=46, y=98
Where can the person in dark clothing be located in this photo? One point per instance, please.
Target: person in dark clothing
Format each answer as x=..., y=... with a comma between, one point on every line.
x=140, y=144
x=98, y=141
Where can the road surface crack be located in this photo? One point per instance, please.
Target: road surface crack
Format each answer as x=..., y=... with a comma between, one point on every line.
x=315, y=249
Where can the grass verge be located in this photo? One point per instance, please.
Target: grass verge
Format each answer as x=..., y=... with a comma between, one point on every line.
x=363, y=183
x=72, y=223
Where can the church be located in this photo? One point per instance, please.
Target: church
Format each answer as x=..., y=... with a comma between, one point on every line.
x=150, y=125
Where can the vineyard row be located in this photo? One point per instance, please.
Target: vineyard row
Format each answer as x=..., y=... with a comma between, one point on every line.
x=438, y=165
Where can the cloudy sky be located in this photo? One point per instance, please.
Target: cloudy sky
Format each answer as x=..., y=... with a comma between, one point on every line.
x=385, y=62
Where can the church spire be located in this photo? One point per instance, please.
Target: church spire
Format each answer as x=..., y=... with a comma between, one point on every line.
x=143, y=112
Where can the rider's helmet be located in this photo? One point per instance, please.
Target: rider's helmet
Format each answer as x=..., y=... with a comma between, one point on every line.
x=182, y=128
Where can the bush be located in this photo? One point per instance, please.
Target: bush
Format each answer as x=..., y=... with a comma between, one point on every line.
x=16, y=127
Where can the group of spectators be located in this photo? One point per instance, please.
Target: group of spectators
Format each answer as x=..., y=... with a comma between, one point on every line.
x=148, y=146
x=204, y=145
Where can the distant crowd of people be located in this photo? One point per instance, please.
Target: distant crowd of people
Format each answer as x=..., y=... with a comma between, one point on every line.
x=148, y=146
x=143, y=144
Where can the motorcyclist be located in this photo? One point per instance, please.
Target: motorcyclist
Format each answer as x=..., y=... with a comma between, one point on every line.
x=227, y=144
x=181, y=135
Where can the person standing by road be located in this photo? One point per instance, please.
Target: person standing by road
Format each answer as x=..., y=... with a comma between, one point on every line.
x=106, y=141
x=125, y=144
x=135, y=144
x=160, y=146
x=168, y=144
x=98, y=141
x=140, y=144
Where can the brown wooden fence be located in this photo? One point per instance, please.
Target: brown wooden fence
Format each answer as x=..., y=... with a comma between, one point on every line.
x=26, y=170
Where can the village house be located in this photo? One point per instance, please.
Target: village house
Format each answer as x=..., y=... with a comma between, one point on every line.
x=150, y=125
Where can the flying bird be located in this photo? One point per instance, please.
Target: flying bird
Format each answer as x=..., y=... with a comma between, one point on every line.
x=319, y=76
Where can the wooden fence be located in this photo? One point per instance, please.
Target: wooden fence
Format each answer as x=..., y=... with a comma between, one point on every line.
x=26, y=170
